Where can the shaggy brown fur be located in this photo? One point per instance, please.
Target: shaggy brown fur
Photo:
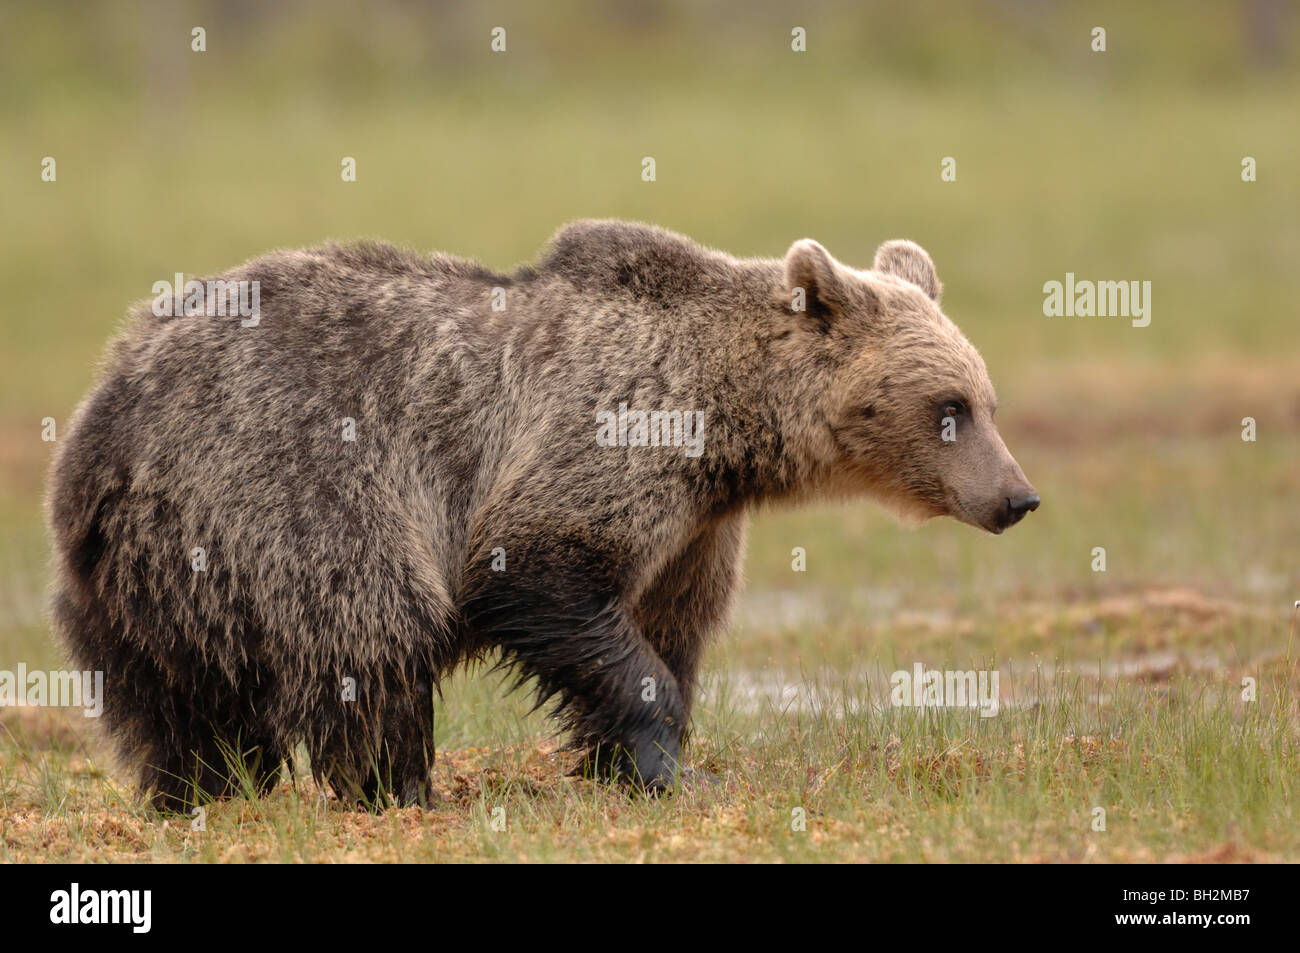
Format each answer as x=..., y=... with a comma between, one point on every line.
x=373, y=559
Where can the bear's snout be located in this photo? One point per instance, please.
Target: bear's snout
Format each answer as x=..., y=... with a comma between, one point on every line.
x=1015, y=508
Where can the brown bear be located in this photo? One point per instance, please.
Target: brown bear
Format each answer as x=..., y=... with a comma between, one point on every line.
x=286, y=529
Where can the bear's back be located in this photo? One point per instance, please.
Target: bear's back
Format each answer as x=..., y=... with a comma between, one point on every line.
x=613, y=259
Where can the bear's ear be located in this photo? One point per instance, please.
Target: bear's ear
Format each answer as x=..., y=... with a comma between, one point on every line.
x=911, y=262
x=810, y=267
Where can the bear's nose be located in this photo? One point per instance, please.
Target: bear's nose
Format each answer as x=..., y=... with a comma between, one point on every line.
x=1018, y=506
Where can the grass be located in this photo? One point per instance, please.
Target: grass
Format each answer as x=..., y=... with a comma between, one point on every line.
x=1121, y=689
x=1184, y=772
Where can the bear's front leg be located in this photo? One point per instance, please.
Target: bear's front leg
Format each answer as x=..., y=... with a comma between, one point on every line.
x=576, y=638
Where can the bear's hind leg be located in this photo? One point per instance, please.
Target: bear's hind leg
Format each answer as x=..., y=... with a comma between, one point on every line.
x=377, y=750
x=209, y=752
x=173, y=717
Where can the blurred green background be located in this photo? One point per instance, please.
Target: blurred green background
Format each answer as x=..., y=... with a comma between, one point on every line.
x=1118, y=165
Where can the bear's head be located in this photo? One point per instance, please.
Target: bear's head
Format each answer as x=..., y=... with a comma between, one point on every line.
x=908, y=415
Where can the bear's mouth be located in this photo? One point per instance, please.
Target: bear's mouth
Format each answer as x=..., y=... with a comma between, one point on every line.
x=958, y=510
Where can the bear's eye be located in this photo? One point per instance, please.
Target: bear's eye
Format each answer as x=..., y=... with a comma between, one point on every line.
x=953, y=408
